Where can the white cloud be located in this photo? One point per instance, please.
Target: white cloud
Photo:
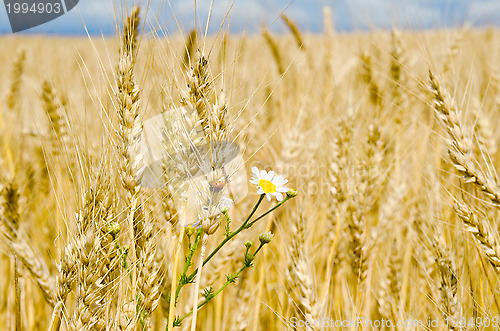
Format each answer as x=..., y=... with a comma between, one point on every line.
x=250, y=15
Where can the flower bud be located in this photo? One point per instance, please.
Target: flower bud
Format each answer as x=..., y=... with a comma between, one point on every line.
x=114, y=228
x=266, y=238
x=291, y=193
x=189, y=230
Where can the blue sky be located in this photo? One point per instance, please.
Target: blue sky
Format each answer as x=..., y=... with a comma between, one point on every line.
x=99, y=16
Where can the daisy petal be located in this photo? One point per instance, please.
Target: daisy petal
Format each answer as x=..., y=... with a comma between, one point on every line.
x=279, y=196
x=279, y=178
x=255, y=172
x=268, y=196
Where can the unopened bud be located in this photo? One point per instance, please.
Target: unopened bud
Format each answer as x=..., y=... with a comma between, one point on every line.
x=291, y=193
x=266, y=238
x=114, y=228
x=189, y=230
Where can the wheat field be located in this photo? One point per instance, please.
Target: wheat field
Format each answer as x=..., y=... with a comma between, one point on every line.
x=387, y=139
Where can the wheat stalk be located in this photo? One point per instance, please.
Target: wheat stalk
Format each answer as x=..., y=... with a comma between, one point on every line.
x=481, y=231
x=299, y=276
x=128, y=98
x=189, y=49
x=294, y=29
x=459, y=146
x=17, y=71
x=10, y=220
x=449, y=283
x=273, y=46
x=53, y=107
x=368, y=76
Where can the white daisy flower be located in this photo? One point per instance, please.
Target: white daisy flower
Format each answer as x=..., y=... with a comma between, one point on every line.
x=269, y=184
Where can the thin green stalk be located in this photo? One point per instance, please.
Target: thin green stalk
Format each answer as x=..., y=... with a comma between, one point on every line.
x=192, y=249
x=184, y=279
x=231, y=279
x=268, y=212
x=245, y=225
x=198, y=280
x=122, y=254
x=228, y=223
x=231, y=235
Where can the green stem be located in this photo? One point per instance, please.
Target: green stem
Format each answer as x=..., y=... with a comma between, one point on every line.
x=232, y=234
x=245, y=225
x=228, y=224
x=122, y=253
x=268, y=212
x=188, y=261
x=223, y=286
x=192, y=250
x=223, y=242
x=123, y=256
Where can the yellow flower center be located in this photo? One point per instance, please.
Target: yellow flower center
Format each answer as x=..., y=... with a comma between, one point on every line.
x=267, y=186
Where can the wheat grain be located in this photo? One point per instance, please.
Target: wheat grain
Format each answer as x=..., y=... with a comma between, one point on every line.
x=294, y=29
x=13, y=96
x=459, y=145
